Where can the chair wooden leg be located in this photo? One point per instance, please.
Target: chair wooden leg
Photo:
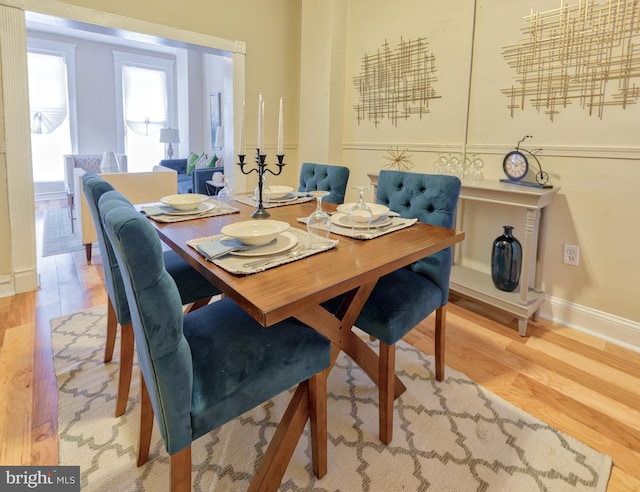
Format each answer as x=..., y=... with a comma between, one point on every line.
x=318, y=422
x=126, y=366
x=387, y=372
x=146, y=423
x=197, y=305
x=87, y=252
x=440, y=328
x=181, y=471
x=112, y=326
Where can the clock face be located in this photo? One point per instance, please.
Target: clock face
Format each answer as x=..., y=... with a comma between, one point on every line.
x=515, y=165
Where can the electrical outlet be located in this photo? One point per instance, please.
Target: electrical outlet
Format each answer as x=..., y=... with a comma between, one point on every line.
x=570, y=254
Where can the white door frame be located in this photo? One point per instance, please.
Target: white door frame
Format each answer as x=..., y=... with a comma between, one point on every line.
x=17, y=148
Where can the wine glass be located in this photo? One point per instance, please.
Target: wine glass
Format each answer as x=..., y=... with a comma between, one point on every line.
x=226, y=194
x=478, y=164
x=360, y=213
x=319, y=222
x=266, y=192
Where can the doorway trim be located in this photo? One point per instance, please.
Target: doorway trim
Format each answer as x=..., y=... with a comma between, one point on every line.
x=17, y=147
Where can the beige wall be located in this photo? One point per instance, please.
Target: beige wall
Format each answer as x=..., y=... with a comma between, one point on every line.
x=594, y=162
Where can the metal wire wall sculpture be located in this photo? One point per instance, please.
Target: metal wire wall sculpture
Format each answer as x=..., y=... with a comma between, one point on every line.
x=396, y=84
x=586, y=52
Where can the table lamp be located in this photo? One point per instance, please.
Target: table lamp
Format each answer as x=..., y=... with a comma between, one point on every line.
x=169, y=136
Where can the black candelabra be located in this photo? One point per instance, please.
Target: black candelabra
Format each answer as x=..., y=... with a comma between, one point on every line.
x=261, y=169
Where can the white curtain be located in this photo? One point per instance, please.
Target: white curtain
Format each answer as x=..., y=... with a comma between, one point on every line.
x=145, y=99
x=47, y=92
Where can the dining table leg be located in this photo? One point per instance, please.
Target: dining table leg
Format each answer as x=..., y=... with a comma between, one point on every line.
x=283, y=443
x=338, y=329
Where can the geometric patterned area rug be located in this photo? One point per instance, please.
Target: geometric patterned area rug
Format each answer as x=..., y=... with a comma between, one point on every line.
x=450, y=435
x=57, y=237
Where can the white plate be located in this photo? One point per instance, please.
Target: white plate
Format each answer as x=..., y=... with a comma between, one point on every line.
x=255, y=232
x=284, y=242
x=280, y=191
x=343, y=220
x=200, y=209
x=287, y=198
x=185, y=201
x=377, y=209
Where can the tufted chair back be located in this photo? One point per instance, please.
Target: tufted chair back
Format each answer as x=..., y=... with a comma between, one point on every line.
x=325, y=177
x=432, y=199
x=163, y=352
x=94, y=187
x=90, y=163
x=200, y=370
x=404, y=297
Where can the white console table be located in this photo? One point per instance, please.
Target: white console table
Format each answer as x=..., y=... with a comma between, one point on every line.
x=525, y=301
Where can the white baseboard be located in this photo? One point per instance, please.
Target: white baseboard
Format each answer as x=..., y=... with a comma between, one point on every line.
x=614, y=329
x=6, y=286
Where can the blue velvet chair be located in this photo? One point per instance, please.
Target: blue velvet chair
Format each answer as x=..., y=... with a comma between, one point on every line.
x=195, y=290
x=400, y=300
x=203, y=369
x=325, y=177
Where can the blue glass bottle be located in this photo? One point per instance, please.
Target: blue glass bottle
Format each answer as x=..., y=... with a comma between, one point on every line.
x=506, y=261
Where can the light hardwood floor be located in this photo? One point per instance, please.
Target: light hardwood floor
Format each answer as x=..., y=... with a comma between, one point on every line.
x=582, y=385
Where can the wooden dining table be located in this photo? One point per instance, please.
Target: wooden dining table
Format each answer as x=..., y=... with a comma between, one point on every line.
x=299, y=288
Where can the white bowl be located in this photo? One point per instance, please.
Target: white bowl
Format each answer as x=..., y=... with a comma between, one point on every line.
x=377, y=211
x=184, y=201
x=279, y=191
x=255, y=232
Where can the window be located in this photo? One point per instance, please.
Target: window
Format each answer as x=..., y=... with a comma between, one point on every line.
x=50, y=111
x=145, y=95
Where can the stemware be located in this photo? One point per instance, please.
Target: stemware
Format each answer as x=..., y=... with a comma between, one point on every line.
x=266, y=192
x=319, y=222
x=441, y=165
x=360, y=213
x=226, y=194
x=478, y=164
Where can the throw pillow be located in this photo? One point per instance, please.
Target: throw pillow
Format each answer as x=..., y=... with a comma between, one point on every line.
x=202, y=162
x=212, y=161
x=192, y=160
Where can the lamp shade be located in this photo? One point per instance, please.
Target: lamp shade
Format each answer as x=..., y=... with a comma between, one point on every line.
x=169, y=135
x=109, y=163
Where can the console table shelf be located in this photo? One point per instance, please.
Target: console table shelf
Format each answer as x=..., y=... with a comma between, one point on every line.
x=525, y=301
x=479, y=286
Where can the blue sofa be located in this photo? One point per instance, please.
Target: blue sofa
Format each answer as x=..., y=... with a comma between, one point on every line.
x=196, y=181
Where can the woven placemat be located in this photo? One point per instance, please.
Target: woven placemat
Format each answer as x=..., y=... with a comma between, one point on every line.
x=245, y=265
x=156, y=211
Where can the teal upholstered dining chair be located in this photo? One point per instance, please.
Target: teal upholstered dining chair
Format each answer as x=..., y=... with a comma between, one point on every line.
x=325, y=177
x=195, y=290
x=203, y=369
x=400, y=300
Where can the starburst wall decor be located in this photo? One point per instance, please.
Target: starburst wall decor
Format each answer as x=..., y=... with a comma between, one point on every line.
x=400, y=159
